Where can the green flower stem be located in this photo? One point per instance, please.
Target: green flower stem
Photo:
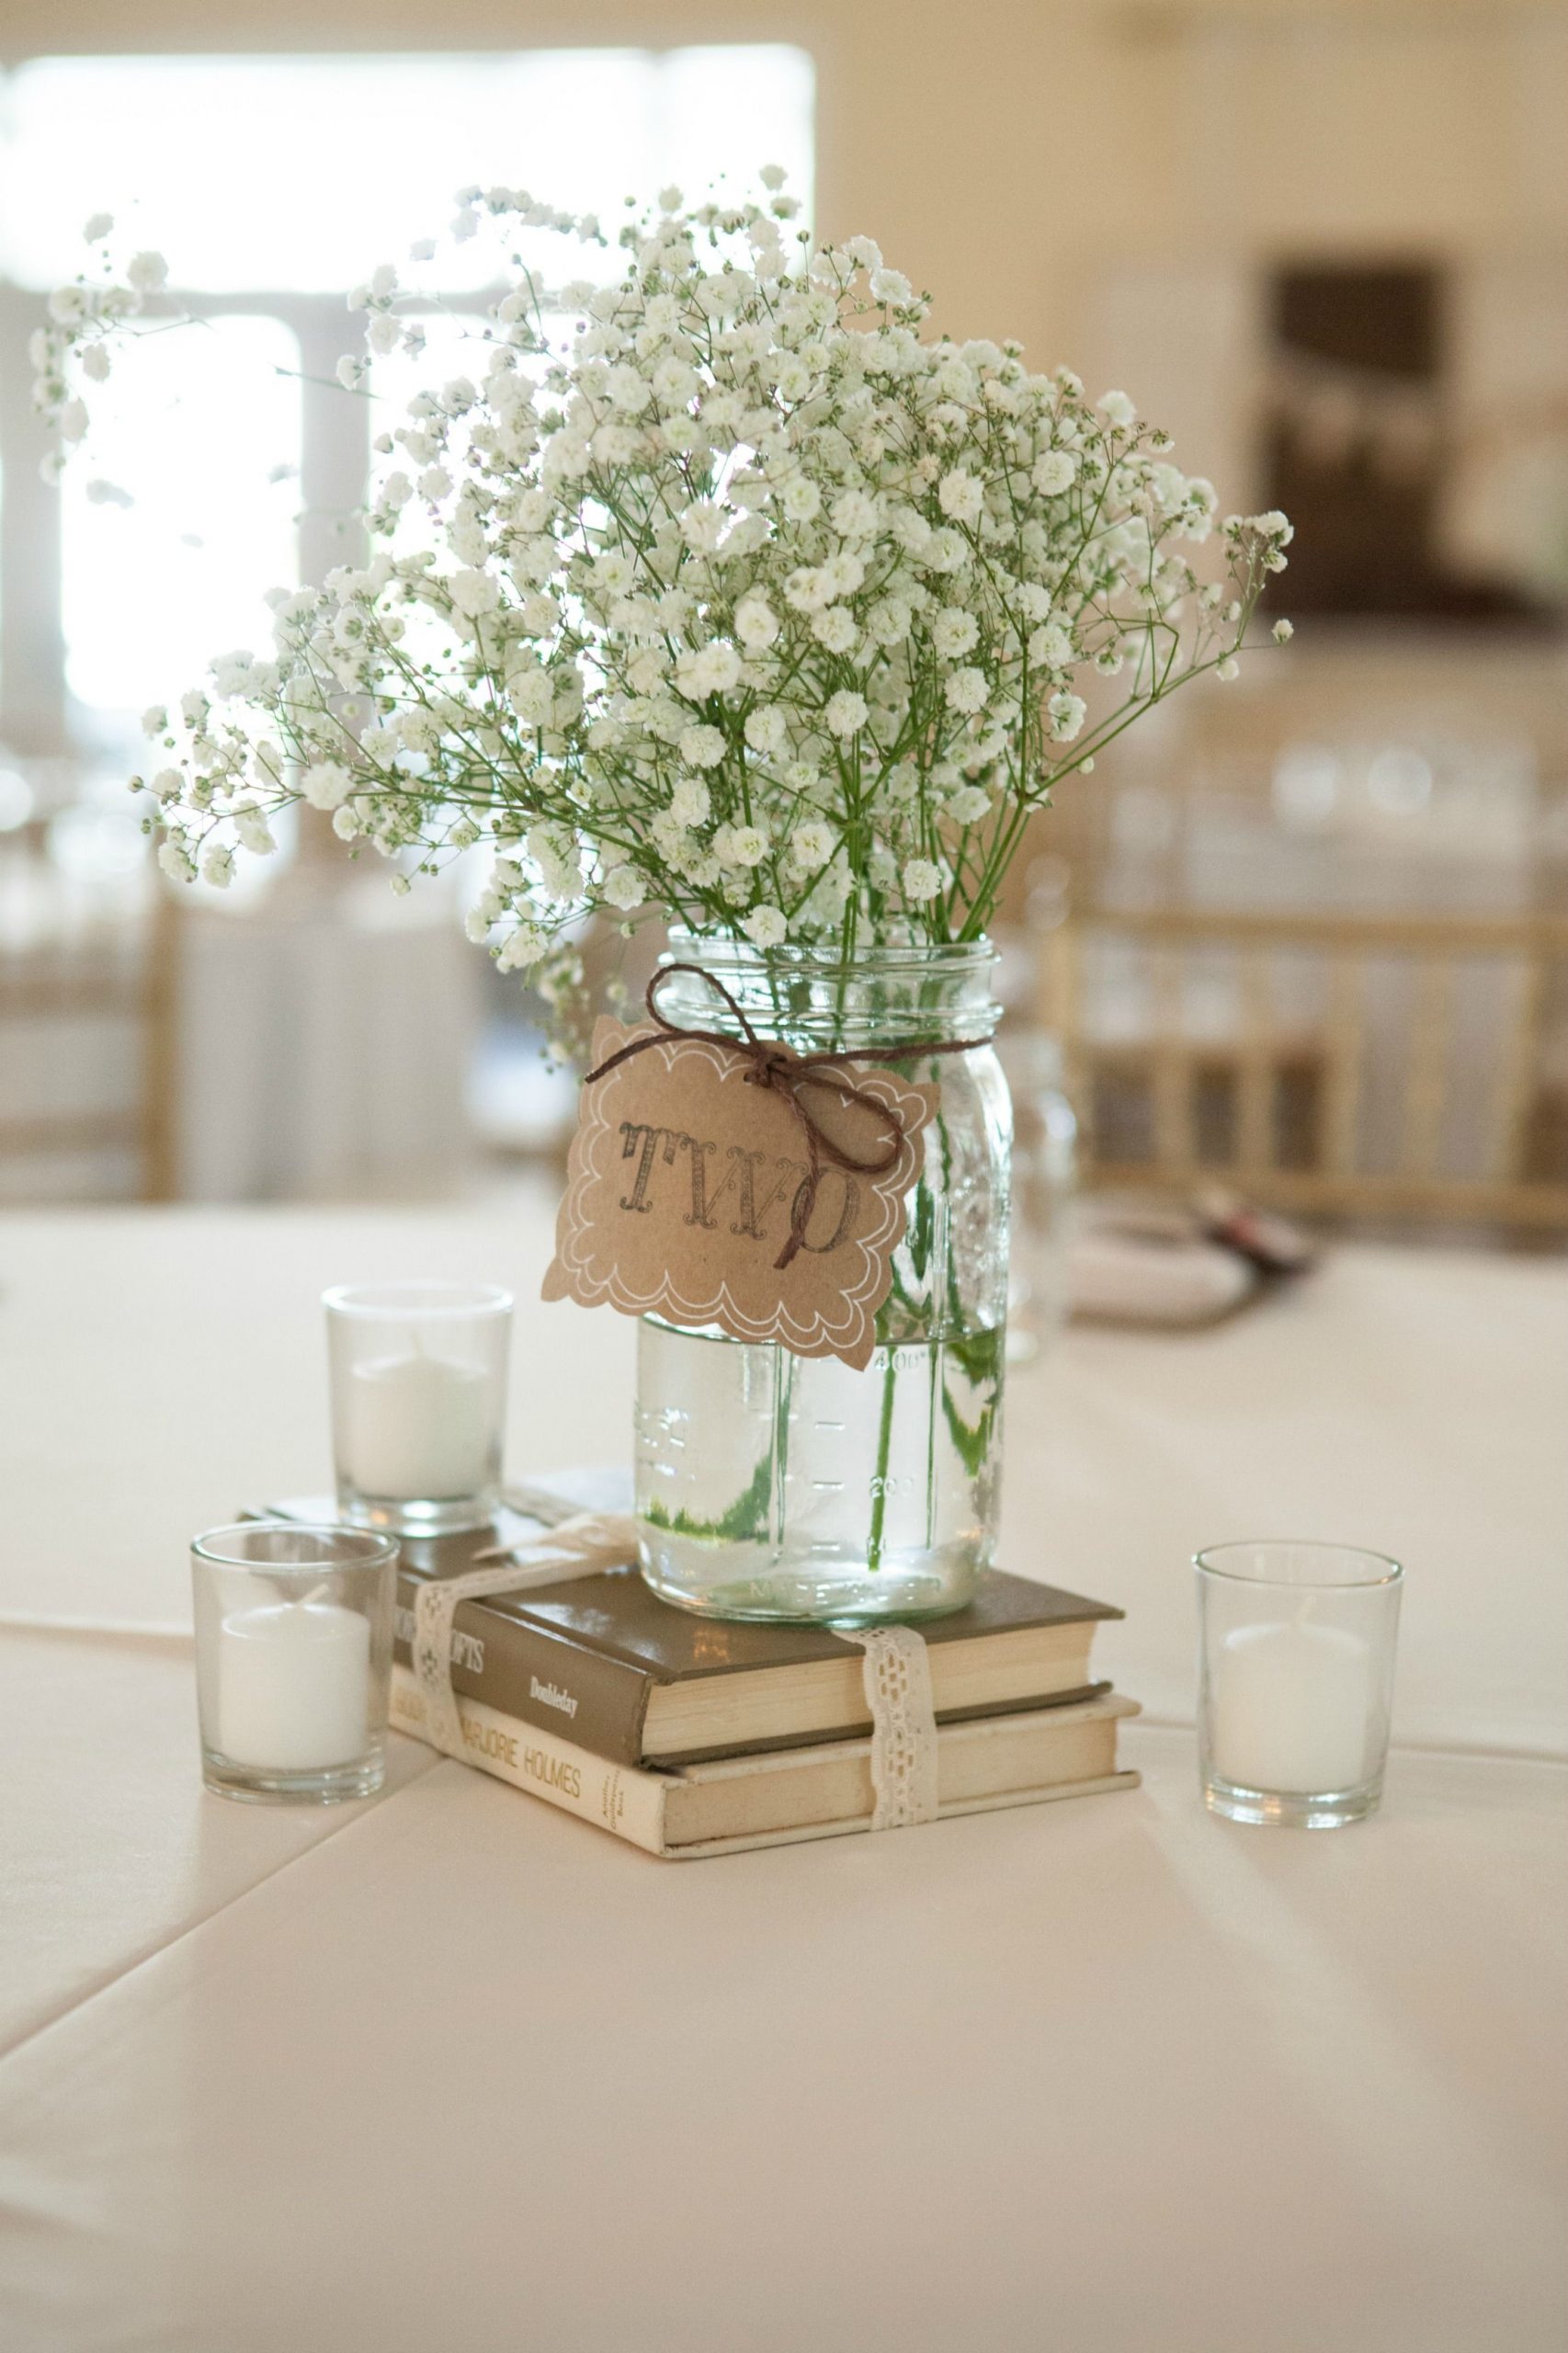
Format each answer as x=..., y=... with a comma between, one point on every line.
x=884, y=1451
x=783, y=1398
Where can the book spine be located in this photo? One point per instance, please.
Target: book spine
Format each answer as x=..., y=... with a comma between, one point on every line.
x=619, y=1797
x=522, y=1670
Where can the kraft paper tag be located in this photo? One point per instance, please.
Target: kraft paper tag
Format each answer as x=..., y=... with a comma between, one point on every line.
x=681, y=1189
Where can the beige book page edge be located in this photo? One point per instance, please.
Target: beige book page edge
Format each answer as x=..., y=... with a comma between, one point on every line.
x=1027, y=1663
x=1033, y=1751
x=744, y=1843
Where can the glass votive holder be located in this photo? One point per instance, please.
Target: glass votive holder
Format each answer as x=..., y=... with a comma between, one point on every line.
x=418, y=1402
x=1295, y=1683
x=293, y=1659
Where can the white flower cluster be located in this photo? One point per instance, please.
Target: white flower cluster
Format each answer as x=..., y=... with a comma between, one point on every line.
x=84, y=319
x=743, y=600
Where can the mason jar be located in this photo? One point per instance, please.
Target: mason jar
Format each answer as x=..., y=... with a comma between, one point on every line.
x=771, y=1485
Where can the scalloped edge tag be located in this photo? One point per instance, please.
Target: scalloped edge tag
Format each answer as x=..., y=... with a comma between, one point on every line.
x=680, y=1186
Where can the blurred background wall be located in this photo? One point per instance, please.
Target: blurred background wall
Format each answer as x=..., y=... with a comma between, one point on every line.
x=1324, y=241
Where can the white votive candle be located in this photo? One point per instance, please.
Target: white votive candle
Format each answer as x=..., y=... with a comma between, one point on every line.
x=293, y=1686
x=1290, y=1708
x=418, y=1429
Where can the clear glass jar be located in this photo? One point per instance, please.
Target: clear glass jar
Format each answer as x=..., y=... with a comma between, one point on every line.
x=293, y=1659
x=1295, y=1680
x=777, y=1487
x=418, y=1402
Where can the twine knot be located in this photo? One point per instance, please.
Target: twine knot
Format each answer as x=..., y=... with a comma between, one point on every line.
x=794, y=1077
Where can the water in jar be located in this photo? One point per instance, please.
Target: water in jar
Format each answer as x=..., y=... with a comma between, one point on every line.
x=773, y=1486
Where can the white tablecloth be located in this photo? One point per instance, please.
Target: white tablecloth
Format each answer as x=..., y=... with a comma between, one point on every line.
x=447, y=2068
x=159, y=1369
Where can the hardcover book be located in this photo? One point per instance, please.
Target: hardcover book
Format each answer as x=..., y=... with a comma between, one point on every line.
x=604, y=1664
x=782, y=1796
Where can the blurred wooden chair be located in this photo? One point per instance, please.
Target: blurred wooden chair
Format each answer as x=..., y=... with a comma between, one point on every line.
x=1450, y=1035
x=49, y=989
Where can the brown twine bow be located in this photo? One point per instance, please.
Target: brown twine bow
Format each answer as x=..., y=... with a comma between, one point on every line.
x=793, y=1076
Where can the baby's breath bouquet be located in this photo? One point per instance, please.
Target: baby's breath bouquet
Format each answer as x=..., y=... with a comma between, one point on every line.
x=723, y=591
x=726, y=594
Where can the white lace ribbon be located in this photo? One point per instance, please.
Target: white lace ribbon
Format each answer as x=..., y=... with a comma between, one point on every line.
x=897, y=1670
x=583, y=1546
x=897, y=1674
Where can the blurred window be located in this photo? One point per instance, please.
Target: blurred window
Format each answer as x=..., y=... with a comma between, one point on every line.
x=207, y=426
x=273, y=184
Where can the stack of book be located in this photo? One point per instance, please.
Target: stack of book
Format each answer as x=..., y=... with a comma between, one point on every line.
x=694, y=1736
